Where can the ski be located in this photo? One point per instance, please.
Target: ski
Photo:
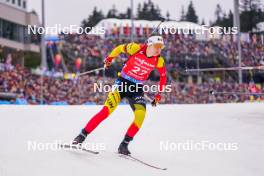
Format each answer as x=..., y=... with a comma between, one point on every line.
x=77, y=147
x=132, y=158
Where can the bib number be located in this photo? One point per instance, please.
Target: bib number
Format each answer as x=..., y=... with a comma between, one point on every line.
x=138, y=71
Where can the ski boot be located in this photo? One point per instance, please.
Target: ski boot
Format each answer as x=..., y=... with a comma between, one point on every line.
x=123, y=147
x=78, y=140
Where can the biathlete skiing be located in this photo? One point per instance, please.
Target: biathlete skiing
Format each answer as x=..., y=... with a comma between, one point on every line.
x=142, y=59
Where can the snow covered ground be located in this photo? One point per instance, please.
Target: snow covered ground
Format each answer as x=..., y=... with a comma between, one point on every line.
x=240, y=126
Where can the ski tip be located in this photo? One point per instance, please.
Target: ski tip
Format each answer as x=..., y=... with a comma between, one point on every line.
x=140, y=161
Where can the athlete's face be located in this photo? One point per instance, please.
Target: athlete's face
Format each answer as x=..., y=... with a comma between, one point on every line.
x=154, y=49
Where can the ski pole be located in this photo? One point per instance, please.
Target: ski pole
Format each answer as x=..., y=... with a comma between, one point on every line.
x=90, y=71
x=211, y=92
x=156, y=28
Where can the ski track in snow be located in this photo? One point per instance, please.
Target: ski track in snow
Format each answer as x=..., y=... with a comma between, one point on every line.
x=234, y=123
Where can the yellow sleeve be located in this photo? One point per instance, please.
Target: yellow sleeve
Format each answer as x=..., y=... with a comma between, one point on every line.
x=130, y=49
x=160, y=63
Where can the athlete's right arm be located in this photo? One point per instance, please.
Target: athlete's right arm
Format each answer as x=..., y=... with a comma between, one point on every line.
x=130, y=49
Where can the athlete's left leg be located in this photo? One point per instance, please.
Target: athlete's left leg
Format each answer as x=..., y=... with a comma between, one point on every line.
x=139, y=116
x=138, y=106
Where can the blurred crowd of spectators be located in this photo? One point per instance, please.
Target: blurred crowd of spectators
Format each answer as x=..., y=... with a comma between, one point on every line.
x=94, y=49
x=252, y=52
x=80, y=91
x=181, y=52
